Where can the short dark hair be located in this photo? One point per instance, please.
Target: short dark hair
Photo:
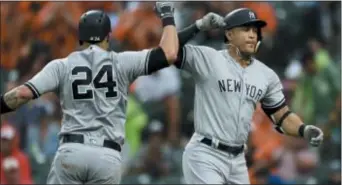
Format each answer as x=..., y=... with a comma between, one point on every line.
x=307, y=56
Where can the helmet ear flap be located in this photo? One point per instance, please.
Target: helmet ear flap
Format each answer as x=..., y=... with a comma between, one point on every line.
x=257, y=46
x=259, y=35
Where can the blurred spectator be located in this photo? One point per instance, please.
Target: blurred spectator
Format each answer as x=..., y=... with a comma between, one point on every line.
x=307, y=162
x=136, y=121
x=261, y=148
x=11, y=168
x=42, y=140
x=139, y=28
x=56, y=24
x=317, y=90
x=288, y=156
x=331, y=148
x=168, y=82
x=10, y=149
x=333, y=173
x=321, y=55
x=152, y=157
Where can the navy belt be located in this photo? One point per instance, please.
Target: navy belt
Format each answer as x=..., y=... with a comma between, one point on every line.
x=235, y=150
x=76, y=138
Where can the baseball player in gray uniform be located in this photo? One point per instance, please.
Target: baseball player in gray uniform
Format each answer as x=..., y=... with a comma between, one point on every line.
x=92, y=85
x=229, y=84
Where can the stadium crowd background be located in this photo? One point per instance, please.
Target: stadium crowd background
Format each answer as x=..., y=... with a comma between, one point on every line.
x=301, y=43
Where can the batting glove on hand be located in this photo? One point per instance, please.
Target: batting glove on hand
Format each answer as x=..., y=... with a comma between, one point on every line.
x=314, y=135
x=210, y=21
x=164, y=9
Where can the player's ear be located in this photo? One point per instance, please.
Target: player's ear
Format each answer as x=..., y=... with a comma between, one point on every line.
x=229, y=34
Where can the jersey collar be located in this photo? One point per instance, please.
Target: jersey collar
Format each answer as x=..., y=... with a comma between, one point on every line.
x=230, y=57
x=95, y=47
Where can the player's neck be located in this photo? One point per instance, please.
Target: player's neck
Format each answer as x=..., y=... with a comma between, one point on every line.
x=103, y=45
x=244, y=62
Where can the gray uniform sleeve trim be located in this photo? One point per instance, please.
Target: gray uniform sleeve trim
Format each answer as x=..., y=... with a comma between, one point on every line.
x=275, y=105
x=183, y=59
x=34, y=90
x=147, y=59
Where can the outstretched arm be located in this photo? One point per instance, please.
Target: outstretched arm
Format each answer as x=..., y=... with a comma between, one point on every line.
x=287, y=122
x=47, y=80
x=15, y=98
x=292, y=125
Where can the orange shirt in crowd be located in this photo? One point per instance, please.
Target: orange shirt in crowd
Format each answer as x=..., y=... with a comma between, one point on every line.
x=138, y=29
x=58, y=28
x=266, y=12
x=264, y=138
x=107, y=6
x=8, y=132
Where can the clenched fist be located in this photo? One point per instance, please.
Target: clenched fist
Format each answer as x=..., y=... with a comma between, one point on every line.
x=164, y=9
x=314, y=135
x=210, y=21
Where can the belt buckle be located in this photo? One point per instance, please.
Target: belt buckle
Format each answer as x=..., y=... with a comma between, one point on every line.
x=95, y=141
x=92, y=141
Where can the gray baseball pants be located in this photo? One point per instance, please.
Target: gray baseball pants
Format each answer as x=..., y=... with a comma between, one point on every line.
x=203, y=164
x=76, y=163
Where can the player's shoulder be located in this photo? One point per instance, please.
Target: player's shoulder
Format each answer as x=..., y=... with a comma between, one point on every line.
x=266, y=70
x=262, y=66
x=199, y=47
x=125, y=57
x=58, y=62
x=130, y=53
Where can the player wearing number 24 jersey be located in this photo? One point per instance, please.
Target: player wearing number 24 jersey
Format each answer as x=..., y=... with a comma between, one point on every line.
x=92, y=85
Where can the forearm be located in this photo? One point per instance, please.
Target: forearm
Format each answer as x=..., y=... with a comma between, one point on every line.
x=292, y=124
x=169, y=41
x=289, y=122
x=187, y=34
x=15, y=98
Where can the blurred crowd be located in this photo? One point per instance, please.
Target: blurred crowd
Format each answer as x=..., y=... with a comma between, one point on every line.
x=301, y=43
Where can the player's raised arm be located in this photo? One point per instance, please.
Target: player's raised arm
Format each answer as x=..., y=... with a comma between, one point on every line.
x=191, y=54
x=137, y=63
x=46, y=80
x=286, y=121
x=169, y=41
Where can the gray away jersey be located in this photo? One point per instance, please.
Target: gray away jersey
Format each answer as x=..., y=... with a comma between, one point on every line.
x=226, y=94
x=92, y=86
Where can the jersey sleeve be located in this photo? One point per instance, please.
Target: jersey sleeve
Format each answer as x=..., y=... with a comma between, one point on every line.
x=48, y=79
x=134, y=63
x=274, y=98
x=195, y=59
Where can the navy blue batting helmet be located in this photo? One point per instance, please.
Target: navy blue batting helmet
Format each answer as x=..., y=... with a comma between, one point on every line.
x=243, y=17
x=94, y=26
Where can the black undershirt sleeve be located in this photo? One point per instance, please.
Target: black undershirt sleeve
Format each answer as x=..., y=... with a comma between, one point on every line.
x=157, y=59
x=184, y=36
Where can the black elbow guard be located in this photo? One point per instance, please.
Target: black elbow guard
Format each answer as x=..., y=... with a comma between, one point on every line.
x=157, y=60
x=3, y=106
